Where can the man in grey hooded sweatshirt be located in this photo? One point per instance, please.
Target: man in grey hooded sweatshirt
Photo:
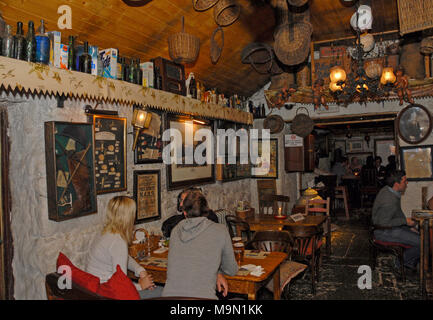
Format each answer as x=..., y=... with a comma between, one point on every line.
x=199, y=249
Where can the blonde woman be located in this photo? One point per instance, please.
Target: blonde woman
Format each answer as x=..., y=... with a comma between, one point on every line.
x=110, y=248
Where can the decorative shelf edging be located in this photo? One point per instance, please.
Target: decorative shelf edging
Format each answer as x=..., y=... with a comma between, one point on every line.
x=41, y=79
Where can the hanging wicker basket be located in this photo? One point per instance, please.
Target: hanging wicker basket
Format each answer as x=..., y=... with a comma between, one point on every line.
x=183, y=47
x=302, y=124
x=426, y=46
x=292, y=42
x=259, y=55
x=215, y=49
x=274, y=123
x=226, y=12
x=202, y=5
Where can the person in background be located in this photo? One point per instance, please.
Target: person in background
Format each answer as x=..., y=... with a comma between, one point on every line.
x=172, y=221
x=369, y=163
x=355, y=166
x=391, y=224
x=380, y=170
x=391, y=166
x=199, y=250
x=110, y=248
x=340, y=168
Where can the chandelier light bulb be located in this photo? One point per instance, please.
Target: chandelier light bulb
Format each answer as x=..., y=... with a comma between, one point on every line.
x=337, y=73
x=333, y=86
x=388, y=76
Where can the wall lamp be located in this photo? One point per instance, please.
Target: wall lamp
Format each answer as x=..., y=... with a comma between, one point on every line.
x=140, y=120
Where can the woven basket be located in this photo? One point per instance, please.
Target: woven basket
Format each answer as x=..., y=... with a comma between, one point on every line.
x=183, y=47
x=292, y=42
x=302, y=124
x=426, y=46
x=274, y=123
x=135, y=249
x=202, y=5
x=303, y=75
x=215, y=49
x=297, y=3
x=259, y=55
x=226, y=12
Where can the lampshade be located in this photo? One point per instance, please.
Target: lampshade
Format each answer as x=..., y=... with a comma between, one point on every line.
x=337, y=73
x=388, y=76
x=140, y=120
x=333, y=86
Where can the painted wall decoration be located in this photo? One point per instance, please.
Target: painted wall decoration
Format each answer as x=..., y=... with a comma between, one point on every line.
x=70, y=168
x=110, y=153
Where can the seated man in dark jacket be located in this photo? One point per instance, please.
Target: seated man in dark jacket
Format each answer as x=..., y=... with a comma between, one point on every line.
x=391, y=224
x=171, y=222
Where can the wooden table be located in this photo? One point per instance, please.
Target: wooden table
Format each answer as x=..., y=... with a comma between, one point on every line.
x=248, y=285
x=426, y=252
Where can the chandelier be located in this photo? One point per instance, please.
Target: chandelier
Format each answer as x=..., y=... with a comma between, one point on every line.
x=358, y=86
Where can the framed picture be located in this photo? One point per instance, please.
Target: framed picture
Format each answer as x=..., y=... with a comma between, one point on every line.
x=414, y=124
x=149, y=144
x=188, y=172
x=147, y=195
x=226, y=171
x=70, y=165
x=384, y=148
x=417, y=162
x=355, y=146
x=243, y=170
x=267, y=168
x=110, y=153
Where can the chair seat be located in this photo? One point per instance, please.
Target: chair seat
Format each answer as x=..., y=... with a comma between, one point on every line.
x=391, y=244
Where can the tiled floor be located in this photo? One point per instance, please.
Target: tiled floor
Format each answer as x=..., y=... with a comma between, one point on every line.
x=339, y=272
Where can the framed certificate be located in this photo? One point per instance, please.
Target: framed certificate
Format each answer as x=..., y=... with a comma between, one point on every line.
x=147, y=195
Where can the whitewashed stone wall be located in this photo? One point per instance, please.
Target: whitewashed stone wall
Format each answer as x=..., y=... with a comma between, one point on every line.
x=411, y=199
x=37, y=240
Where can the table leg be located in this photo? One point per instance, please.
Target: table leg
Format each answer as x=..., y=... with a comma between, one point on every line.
x=277, y=292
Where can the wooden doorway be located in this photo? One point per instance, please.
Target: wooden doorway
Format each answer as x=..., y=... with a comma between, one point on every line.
x=6, y=246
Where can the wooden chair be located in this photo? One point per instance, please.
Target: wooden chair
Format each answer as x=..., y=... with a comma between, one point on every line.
x=315, y=207
x=369, y=186
x=307, y=245
x=341, y=193
x=397, y=249
x=238, y=227
x=269, y=204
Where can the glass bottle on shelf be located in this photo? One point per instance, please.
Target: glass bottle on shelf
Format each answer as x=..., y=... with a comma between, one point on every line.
x=132, y=72
x=19, y=43
x=86, y=60
x=8, y=43
x=71, y=53
x=119, y=66
x=2, y=26
x=158, y=79
x=193, y=87
x=42, y=45
x=139, y=72
x=125, y=71
x=31, y=43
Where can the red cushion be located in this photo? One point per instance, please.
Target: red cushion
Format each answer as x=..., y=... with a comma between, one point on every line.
x=80, y=277
x=386, y=244
x=318, y=245
x=119, y=287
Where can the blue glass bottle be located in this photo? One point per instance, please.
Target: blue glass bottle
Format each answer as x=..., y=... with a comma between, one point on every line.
x=42, y=46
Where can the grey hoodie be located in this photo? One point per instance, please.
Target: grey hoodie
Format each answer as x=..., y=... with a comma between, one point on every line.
x=199, y=249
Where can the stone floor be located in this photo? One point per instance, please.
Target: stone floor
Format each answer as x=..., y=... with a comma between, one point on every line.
x=339, y=272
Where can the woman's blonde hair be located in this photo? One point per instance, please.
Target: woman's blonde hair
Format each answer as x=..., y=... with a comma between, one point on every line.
x=120, y=217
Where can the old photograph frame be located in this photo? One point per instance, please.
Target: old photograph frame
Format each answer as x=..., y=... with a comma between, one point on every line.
x=110, y=153
x=70, y=166
x=149, y=144
x=184, y=175
x=417, y=162
x=273, y=161
x=147, y=195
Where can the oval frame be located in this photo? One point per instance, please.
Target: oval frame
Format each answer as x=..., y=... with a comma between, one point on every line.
x=400, y=114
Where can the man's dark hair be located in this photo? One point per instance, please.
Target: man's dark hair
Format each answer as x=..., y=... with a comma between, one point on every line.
x=179, y=196
x=394, y=177
x=378, y=158
x=195, y=205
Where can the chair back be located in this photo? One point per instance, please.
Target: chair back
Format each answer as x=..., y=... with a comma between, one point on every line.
x=305, y=238
x=368, y=178
x=271, y=241
x=269, y=204
x=312, y=207
x=238, y=227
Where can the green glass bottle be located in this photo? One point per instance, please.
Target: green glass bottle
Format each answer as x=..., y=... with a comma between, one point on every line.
x=132, y=71
x=71, y=53
x=19, y=43
x=139, y=76
x=31, y=43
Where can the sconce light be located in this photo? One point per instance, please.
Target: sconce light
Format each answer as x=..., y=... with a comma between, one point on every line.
x=140, y=120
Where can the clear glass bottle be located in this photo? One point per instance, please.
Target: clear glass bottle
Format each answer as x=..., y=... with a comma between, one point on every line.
x=42, y=45
x=8, y=43
x=31, y=43
x=19, y=43
x=71, y=53
x=86, y=59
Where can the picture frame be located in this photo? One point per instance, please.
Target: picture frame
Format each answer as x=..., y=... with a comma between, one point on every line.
x=147, y=195
x=185, y=175
x=384, y=148
x=243, y=171
x=149, y=144
x=226, y=172
x=110, y=153
x=414, y=124
x=272, y=162
x=417, y=162
x=355, y=145
x=70, y=167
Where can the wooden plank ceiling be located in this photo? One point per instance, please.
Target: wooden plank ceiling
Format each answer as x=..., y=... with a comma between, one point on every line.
x=142, y=32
